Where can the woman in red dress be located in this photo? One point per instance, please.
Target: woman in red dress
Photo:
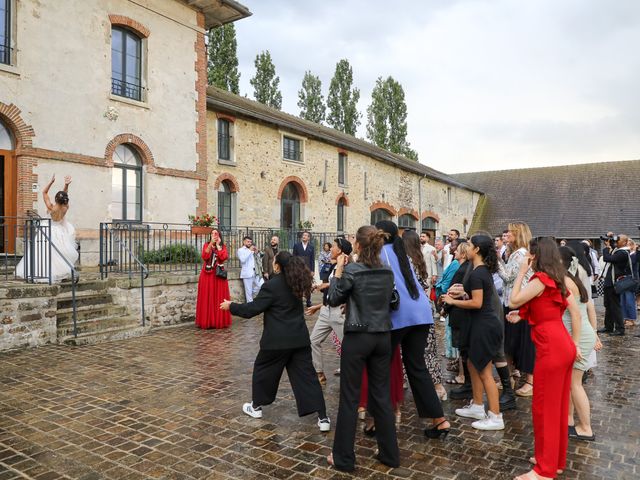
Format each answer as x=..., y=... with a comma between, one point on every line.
x=542, y=303
x=212, y=290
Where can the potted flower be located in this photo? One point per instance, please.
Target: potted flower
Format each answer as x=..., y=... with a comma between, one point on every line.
x=202, y=224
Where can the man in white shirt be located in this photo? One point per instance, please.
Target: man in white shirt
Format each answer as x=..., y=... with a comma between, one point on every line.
x=448, y=252
x=252, y=281
x=428, y=253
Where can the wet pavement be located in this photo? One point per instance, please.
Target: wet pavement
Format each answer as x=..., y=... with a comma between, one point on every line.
x=168, y=406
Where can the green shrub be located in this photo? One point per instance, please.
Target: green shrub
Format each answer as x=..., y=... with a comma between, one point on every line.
x=172, y=254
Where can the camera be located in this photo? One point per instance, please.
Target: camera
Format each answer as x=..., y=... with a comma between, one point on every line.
x=607, y=238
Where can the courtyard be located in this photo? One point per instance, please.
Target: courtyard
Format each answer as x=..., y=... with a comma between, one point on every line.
x=168, y=406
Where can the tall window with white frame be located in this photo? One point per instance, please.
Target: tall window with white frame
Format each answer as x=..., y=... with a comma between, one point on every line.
x=5, y=32
x=292, y=149
x=126, y=64
x=342, y=169
x=340, y=226
x=126, y=184
x=224, y=140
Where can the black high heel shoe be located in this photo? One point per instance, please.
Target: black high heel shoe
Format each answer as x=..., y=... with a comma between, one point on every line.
x=370, y=432
x=436, y=432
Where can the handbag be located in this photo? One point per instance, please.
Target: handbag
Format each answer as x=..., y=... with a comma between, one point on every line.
x=221, y=272
x=394, y=303
x=626, y=283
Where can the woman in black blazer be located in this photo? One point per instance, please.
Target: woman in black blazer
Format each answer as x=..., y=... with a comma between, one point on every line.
x=285, y=340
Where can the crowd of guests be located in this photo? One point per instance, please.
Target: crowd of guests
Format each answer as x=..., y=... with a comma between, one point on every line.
x=518, y=313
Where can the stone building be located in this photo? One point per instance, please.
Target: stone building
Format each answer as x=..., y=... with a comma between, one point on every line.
x=111, y=92
x=268, y=168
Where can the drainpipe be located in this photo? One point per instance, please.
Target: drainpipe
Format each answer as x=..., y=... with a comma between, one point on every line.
x=420, y=201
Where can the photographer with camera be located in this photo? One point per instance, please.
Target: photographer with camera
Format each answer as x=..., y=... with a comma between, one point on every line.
x=617, y=265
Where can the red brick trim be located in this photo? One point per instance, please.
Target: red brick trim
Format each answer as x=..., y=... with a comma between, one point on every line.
x=130, y=23
x=432, y=214
x=224, y=116
x=139, y=146
x=344, y=198
x=343, y=151
x=235, y=186
x=383, y=205
x=25, y=165
x=200, y=67
x=302, y=189
x=408, y=211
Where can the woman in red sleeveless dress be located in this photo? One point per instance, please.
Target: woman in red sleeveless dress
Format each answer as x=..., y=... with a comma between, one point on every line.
x=212, y=290
x=542, y=303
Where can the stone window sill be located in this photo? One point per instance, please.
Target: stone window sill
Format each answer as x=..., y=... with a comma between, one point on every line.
x=9, y=69
x=229, y=163
x=293, y=162
x=129, y=101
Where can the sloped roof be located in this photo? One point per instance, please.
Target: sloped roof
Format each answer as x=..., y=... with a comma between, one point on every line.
x=570, y=201
x=226, y=102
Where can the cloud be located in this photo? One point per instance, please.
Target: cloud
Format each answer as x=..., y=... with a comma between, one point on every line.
x=489, y=84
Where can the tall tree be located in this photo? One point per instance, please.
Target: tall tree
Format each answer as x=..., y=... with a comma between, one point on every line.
x=387, y=118
x=342, y=100
x=310, y=99
x=223, y=58
x=265, y=82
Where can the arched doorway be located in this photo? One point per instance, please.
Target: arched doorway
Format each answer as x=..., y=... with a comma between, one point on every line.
x=8, y=190
x=290, y=207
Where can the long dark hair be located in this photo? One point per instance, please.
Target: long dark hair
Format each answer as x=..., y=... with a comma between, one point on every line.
x=403, y=260
x=582, y=253
x=411, y=242
x=547, y=260
x=297, y=275
x=370, y=241
x=487, y=250
x=567, y=254
x=219, y=236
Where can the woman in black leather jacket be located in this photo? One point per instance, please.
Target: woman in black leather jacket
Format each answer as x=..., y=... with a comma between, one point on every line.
x=366, y=288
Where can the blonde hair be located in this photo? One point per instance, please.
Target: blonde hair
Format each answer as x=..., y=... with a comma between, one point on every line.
x=463, y=247
x=522, y=235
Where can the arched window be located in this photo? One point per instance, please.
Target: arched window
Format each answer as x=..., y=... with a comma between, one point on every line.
x=380, y=214
x=340, y=227
x=290, y=207
x=126, y=64
x=226, y=204
x=429, y=223
x=6, y=139
x=126, y=184
x=407, y=221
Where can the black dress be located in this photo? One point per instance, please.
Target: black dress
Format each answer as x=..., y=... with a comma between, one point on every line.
x=485, y=331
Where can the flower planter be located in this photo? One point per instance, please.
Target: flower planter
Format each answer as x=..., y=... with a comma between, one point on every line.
x=201, y=230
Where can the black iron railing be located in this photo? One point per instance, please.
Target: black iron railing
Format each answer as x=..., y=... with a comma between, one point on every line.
x=171, y=247
x=128, y=90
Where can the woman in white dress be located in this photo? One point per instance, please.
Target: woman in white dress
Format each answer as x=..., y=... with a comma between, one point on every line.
x=62, y=234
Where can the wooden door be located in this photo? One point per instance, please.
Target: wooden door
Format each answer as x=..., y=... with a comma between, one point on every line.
x=8, y=201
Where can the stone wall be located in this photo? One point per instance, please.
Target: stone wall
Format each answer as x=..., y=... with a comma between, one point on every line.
x=27, y=316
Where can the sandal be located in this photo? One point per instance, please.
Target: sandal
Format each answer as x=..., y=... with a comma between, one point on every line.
x=459, y=380
x=523, y=391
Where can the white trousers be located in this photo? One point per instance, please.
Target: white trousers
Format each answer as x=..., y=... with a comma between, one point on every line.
x=252, y=287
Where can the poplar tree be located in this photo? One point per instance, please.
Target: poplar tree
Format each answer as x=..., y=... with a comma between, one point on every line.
x=222, y=64
x=265, y=82
x=310, y=99
x=342, y=100
x=387, y=118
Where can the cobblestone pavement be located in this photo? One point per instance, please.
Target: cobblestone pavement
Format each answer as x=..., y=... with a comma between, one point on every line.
x=167, y=406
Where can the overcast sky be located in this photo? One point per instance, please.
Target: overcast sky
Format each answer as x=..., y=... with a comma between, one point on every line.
x=489, y=84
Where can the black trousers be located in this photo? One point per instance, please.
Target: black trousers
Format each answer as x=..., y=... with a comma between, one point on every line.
x=613, y=311
x=413, y=341
x=372, y=350
x=267, y=371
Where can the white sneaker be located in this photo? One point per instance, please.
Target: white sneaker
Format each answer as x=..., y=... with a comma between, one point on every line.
x=324, y=424
x=472, y=411
x=491, y=422
x=249, y=409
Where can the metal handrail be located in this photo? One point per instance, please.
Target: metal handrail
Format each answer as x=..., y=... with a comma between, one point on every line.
x=144, y=273
x=74, y=277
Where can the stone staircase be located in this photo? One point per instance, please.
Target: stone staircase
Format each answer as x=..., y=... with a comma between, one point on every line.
x=98, y=318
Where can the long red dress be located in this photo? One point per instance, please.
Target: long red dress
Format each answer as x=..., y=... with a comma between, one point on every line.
x=396, y=380
x=212, y=290
x=555, y=354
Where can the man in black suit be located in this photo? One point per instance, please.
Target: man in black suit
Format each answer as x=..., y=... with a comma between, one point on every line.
x=305, y=250
x=616, y=265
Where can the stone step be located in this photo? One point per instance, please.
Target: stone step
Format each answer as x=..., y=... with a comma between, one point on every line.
x=84, y=299
x=98, y=325
x=89, y=312
x=87, y=284
x=105, y=335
